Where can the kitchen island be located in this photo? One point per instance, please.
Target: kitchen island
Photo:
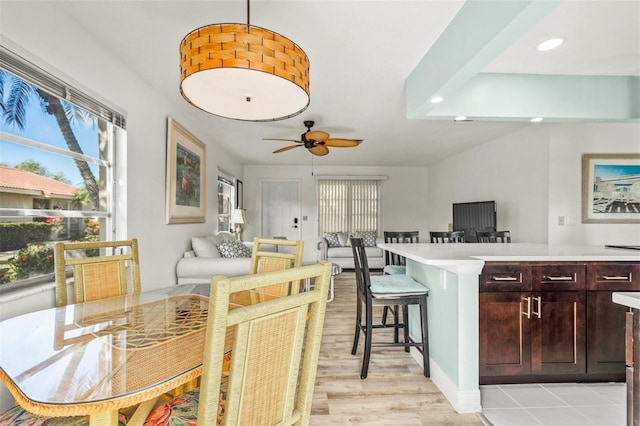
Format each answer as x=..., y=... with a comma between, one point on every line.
x=452, y=273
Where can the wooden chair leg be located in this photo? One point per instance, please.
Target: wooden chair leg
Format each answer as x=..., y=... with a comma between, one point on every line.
x=368, y=335
x=385, y=311
x=425, y=337
x=405, y=321
x=396, y=324
x=356, y=336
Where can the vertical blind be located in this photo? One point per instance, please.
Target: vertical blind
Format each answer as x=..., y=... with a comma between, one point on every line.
x=348, y=205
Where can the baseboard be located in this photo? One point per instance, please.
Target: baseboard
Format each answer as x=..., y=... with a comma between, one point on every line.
x=467, y=401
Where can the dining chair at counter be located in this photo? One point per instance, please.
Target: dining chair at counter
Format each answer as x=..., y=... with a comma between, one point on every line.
x=437, y=237
x=493, y=236
x=396, y=264
x=386, y=290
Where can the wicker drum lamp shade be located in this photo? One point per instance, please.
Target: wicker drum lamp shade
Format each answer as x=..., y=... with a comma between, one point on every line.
x=244, y=72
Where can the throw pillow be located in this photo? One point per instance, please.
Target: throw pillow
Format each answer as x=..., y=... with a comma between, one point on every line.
x=204, y=247
x=343, y=239
x=332, y=239
x=234, y=248
x=368, y=237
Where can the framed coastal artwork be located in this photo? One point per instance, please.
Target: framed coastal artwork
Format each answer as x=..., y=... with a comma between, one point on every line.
x=611, y=188
x=186, y=172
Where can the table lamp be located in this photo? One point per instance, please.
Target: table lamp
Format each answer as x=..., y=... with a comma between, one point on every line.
x=239, y=217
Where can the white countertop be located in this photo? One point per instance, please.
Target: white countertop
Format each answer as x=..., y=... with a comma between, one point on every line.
x=469, y=258
x=629, y=298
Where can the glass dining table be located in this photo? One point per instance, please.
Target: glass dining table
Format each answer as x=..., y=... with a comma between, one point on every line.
x=98, y=357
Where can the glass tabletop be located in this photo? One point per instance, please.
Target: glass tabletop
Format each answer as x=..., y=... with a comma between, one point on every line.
x=103, y=350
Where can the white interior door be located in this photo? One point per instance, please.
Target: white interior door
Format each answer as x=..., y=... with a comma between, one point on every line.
x=280, y=209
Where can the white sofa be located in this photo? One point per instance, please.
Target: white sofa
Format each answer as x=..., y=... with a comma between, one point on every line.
x=342, y=253
x=204, y=261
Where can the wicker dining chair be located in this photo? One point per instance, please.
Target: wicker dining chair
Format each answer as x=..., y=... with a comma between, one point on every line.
x=106, y=274
x=94, y=277
x=267, y=375
x=288, y=255
x=493, y=236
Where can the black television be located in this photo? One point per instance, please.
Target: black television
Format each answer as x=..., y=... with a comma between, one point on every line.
x=472, y=217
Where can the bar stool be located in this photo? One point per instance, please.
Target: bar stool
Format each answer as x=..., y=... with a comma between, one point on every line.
x=447, y=237
x=398, y=290
x=493, y=236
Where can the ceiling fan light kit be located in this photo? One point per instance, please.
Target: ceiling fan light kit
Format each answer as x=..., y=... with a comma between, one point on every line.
x=316, y=141
x=244, y=72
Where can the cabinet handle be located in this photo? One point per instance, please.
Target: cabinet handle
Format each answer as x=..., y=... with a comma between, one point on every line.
x=527, y=313
x=539, y=312
x=617, y=277
x=504, y=278
x=560, y=278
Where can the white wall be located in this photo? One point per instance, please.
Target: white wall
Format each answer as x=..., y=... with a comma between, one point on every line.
x=512, y=170
x=535, y=175
x=60, y=43
x=567, y=144
x=404, y=198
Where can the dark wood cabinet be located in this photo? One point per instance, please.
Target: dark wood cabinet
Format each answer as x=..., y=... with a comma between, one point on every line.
x=558, y=332
x=504, y=335
x=605, y=319
x=553, y=321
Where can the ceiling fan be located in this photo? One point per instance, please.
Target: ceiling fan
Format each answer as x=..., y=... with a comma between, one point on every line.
x=316, y=141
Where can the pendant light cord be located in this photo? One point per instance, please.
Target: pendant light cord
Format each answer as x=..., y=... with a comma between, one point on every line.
x=248, y=14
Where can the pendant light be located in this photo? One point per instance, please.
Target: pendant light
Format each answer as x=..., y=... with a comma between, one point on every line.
x=244, y=72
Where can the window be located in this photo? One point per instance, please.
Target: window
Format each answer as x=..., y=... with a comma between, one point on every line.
x=56, y=171
x=348, y=205
x=225, y=203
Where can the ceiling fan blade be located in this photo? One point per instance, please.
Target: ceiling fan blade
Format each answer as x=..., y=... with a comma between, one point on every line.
x=317, y=135
x=319, y=150
x=285, y=140
x=342, y=143
x=286, y=148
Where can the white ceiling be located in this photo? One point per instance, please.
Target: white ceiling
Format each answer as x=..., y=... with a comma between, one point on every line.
x=360, y=52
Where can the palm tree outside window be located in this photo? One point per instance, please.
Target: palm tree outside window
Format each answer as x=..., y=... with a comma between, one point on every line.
x=56, y=171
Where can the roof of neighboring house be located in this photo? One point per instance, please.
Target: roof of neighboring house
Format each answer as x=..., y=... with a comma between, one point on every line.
x=22, y=181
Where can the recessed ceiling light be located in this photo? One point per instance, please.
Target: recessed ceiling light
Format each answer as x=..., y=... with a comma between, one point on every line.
x=550, y=44
x=536, y=119
x=437, y=99
x=460, y=118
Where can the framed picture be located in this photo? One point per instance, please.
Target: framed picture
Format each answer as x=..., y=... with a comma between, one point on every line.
x=239, y=195
x=611, y=188
x=186, y=172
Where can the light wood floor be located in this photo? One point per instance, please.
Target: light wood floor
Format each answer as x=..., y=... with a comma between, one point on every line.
x=395, y=391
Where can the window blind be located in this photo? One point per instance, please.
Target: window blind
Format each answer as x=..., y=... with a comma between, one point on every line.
x=35, y=75
x=348, y=205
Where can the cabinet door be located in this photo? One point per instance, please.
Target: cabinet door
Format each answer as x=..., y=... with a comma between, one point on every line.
x=605, y=334
x=504, y=334
x=558, y=332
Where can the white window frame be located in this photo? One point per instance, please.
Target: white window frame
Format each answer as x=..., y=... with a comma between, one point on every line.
x=38, y=75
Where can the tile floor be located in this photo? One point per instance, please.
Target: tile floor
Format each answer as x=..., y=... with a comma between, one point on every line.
x=562, y=404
